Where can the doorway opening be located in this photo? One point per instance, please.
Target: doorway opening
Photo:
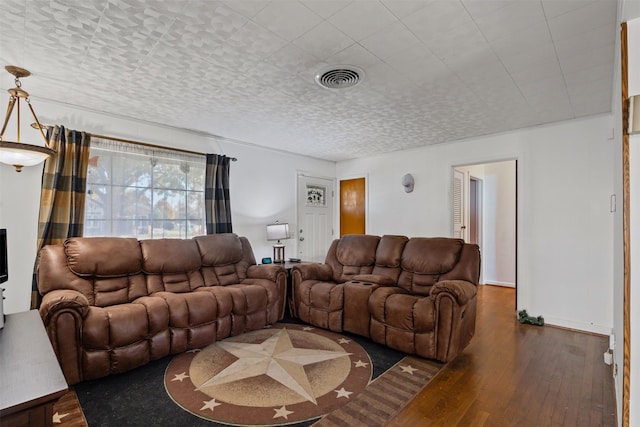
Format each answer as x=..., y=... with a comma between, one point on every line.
x=485, y=212
x=475, y=210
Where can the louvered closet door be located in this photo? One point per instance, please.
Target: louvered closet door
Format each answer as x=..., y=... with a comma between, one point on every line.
x=458, y=205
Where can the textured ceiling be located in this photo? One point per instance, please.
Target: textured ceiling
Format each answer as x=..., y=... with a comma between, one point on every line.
x=435, y=71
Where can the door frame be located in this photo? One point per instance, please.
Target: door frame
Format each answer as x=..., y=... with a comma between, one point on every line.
x=333, y=179
x=479, y=208
x=518, y=211
x=366, y=199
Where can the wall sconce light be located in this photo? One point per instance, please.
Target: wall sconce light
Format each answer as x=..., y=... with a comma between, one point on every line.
x=278, y=231
x=15, y=153
x=408, y=183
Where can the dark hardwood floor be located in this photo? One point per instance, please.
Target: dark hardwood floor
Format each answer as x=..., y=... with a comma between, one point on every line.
x=518, y=375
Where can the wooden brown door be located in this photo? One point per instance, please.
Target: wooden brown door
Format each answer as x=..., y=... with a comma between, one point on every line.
x=352, y=206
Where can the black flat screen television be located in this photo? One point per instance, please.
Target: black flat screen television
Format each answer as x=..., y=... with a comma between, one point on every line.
x=4, y=262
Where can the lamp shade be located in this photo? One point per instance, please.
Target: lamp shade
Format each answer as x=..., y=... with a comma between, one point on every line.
x=14, y=152
x=20, y=154
x=278, y=231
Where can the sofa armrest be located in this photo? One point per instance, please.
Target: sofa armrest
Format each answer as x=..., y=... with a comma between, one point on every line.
x=313, y=271
x=63, y=299
x=276, y=274
x=63, y=312
x=265, y=271
x=461, y=290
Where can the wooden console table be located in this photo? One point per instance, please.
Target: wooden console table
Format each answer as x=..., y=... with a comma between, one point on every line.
x=287, y=266
x=31, y=380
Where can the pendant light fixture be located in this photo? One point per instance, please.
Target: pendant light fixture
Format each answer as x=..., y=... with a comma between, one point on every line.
x=16, y=153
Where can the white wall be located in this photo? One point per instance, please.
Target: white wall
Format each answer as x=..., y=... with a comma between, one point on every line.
x=499, y=199
x=565, y=229
x=262, y=187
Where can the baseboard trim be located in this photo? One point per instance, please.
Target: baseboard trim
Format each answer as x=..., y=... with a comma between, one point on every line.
x=499, y=283
x=577, y=326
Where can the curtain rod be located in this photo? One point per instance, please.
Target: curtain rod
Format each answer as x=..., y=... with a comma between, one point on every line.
x=145, y=144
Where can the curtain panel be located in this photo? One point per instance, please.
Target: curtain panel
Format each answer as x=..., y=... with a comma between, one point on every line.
x=216, y=195
x=62, y=195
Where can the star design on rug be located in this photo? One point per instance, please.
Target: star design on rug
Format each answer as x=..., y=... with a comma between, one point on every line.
x=408, y=369
x=308, y=328
x=180, y=377
x=343, y=393
x=360, y=364
x=57, y=417
x=211, y=404
x=343, y=341
x=282, y=412
x=195, y=350
x=275, y=357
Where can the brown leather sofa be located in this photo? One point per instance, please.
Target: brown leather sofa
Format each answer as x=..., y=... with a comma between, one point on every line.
x=415, y=295
x=112, y=304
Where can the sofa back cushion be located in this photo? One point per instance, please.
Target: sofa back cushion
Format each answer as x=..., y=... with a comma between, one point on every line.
x=109, y=269
x=389, y=256
x=425, y=259
x=171, y=265
x=352, y=255
x=103, y=256
x=225, y=258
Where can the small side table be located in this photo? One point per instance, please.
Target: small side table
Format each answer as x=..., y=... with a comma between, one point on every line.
x=32, y=380
x=287, y=266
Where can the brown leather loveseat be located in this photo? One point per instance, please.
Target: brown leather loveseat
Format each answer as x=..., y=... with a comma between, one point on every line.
x=112, y=304
x=416, y=295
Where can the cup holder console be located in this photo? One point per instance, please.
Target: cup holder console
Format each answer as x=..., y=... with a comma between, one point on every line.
x=357, y=282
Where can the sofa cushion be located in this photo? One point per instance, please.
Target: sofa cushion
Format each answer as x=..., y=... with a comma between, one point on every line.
x=389, y=257
x=103, y=256
x=431, y=255
x=357, y=250
x=389, y=251
x=106, y=328
x=171, y=265
x=117, y=290
x=219, y=249
x=169, y=256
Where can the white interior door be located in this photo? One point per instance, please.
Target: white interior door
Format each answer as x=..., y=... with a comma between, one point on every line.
x=459, y=211
x=315, y=217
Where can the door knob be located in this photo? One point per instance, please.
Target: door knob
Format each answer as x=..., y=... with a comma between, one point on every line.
x=302, y=239
x=463, y=227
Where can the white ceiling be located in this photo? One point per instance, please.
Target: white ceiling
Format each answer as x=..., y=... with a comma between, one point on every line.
x=435, y=71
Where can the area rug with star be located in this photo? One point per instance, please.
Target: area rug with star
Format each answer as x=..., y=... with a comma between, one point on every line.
x=287, y=374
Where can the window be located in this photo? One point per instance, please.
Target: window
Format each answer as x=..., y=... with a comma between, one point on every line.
x=142, y=192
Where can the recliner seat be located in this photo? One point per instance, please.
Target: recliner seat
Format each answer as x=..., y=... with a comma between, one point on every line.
x=416, y=295
x=112, y=304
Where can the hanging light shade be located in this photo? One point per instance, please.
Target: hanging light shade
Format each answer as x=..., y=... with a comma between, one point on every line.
x=16, y=153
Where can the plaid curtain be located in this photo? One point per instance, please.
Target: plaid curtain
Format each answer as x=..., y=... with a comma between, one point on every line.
x=63, y=191
x=216, y=195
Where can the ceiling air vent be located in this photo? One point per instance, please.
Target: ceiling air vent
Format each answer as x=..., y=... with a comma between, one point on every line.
x=340, y=77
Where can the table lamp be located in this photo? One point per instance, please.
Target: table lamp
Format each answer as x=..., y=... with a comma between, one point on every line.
x=277, y=232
